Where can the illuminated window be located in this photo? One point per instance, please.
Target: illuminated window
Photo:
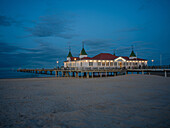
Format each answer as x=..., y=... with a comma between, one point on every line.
x=107, y=63
x=111, y=63
x=103, y=63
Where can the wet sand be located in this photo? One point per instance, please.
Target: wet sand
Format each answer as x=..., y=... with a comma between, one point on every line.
x=131, y=101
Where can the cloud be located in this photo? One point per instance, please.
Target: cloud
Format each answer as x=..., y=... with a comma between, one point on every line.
x=8, y=21
x=6, y=48
x=52, y=25
x=100, y=43
x=43, y=55
x=97, y=45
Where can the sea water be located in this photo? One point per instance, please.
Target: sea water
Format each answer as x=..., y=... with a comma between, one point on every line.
x=4, y=74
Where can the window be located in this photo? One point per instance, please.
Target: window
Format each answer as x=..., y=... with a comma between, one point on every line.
x=73, y=64
x=103, y=63
x=115, y=64
x=99, y=63
x=69, y=64
x=107, y=63
x=90, y=63
x=125, y=63
x=111, y=63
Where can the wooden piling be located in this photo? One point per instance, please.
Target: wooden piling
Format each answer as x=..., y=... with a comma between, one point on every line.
x=165, y=73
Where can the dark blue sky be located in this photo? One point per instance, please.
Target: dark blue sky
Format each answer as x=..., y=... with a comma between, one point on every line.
x=36, y=33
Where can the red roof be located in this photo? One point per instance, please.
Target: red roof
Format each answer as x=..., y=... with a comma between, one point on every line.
x=127, y=58
x=104, y=56
x=73, y=58
x=86, y=58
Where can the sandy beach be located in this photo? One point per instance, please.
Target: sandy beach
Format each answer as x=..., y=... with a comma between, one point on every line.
x=131, y=101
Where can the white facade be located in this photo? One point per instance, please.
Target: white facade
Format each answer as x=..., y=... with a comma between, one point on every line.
x=116, y=63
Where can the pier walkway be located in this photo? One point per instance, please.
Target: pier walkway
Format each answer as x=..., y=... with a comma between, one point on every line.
x=95, y=72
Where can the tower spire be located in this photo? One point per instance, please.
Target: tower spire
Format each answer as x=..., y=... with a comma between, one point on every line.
x=132, y=55
x=83, y=52
x=69, y=54
x=114, y=53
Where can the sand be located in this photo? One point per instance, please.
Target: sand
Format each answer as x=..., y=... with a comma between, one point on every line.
x=131, y=101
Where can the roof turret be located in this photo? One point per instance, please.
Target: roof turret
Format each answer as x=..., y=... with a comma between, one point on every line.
x=69, y=54
x=83, y=52
x=132, y=54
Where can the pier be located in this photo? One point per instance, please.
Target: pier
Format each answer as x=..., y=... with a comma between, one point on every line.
x=96, y=72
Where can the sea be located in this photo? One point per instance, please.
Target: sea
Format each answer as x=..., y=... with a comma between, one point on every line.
x=11, y=73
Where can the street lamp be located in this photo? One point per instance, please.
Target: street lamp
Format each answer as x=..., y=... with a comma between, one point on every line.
x=75, y=62
x=152, y=62
x=57, y=63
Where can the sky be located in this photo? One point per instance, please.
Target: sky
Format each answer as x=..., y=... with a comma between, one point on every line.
x=37, y=33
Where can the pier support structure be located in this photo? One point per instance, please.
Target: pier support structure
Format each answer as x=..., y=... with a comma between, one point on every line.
x=165, y=74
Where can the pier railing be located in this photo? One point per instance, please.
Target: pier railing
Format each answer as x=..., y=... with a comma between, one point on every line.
x=113, y=68
x=100, y=70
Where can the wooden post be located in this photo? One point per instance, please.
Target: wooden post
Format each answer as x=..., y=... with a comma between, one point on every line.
x=51, y=72
x=61, y=73
x=55, y=73
x=142, y=73
x=77, y=74
x=84, y=73
x=115, y=73
x=165, y=74
x=92, y=74
x=87, y=74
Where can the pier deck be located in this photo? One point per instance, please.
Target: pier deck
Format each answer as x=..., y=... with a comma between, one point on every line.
x=93, y=72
